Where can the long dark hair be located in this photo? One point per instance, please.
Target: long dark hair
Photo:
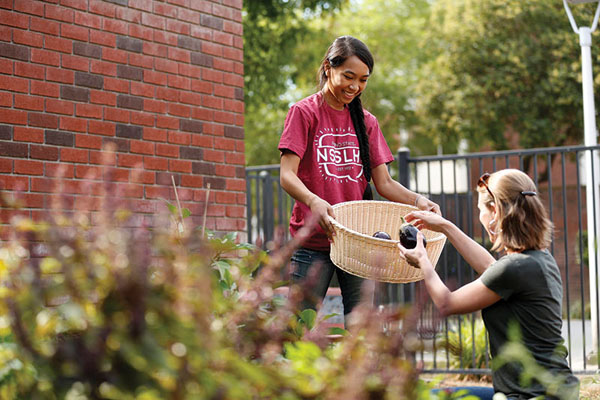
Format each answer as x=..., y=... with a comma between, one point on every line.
x=340, y=50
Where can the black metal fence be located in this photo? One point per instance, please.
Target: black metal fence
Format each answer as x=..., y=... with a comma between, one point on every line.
x=449, y=180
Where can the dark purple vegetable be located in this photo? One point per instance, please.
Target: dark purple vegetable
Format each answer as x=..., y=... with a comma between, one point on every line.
x=382, y=235
x=408, y=235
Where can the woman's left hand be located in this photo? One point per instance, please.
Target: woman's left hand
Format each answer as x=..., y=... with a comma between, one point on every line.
x=416, y=257
x=423, y=203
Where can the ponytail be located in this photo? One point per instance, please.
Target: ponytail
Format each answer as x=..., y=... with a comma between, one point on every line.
x=358, y=120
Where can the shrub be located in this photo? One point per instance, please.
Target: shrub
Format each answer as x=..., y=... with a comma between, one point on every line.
x=109, y=306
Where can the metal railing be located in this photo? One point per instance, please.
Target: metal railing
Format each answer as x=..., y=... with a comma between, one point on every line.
x=450, y=180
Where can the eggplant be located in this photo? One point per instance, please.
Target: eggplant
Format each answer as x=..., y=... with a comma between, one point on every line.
x=382, y=235
x=408, y=235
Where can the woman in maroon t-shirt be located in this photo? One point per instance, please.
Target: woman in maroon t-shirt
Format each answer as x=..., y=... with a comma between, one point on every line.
x=330, y=149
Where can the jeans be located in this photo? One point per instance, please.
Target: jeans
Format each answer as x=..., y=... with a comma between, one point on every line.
x=313, y=270
x=484, y=393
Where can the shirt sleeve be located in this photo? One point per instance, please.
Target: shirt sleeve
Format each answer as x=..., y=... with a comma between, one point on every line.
x=502, y=277
x=379, y=151
x=295, y=132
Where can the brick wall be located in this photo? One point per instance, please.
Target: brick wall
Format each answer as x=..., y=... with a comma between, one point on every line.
x=161, y=80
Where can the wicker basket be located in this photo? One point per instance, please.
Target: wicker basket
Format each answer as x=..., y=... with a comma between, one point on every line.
x=356, y=251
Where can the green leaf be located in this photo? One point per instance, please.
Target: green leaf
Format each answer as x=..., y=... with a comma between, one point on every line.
x=337, y=331
x=308, y=318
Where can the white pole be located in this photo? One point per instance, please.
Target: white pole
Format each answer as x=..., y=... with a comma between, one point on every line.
x=591, y=168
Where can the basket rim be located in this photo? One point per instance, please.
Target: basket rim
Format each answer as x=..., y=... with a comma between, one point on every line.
x=383, y=241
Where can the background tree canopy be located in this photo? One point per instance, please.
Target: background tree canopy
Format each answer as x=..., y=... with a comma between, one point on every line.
x=497, y=73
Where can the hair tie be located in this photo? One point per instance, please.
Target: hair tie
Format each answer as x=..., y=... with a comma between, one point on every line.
x=528, y=193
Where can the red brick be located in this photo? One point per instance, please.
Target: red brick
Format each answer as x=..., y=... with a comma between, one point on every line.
x=88, y=110
x=14, y=19
x=155, y=106
x=142, y=89
x=154, y=21
x=203, y=6
x=179, y=82
x=87, y=19
x=141, y=147
x=233, y=80
x=155, y=49
x=102, y=128
x=116, y=114
x=102, y=8
x=102, y=97
x=178, y=137
x=236, y=211
x=156, y=78
x=234, y=105
x=81, y=5
x=202, y=86
x=167, y=122
x=29, y=70
x=214, y=155
x=179, y=110
x=167, y=94
x=179, y=55
x=48, y=153
x=73, y=124
x=6, y=166
x=141, y=118
x=224, y=117
x=165, y=65
x=5, y=33
x=129, y=14
x=14, y=183
x=129, y=160
x=74, y=155
x=167, y=150
x=116, y=55
x=42, y=120
x=212, y=49
x=140, y=60
x=28, y=38
x=87, y=172
x=189, y=16
x=59, y=13
x=155, y=135
x=24, y=134
x=27, y=102
x=224, y=91
x=154, y=163
x=225, y=170
x=189, y=70
x=223, y=38
x=233, y=27
x=104, y=68
x=59, y=75
x=226, y=144
x=161, y=36
x=116, y=85
x=6, y=99
x=165, y=10
x=45, y=57
x=190, y=98
x=153, y=192
x=60, y=170
x=74, y=32
x=58, y=44
x=6, y=66
x=27, y=167
x=191, y=181
x=103, y=157
x=203, y=114
x=88, y=141
x=140, y=176
x=201, y=32
x=112, y=25
x=140, y=32
x=75, y=62
x=226, y=224
x=212, y=102
x=213, y=129
x=103, y=38
x=183, y=28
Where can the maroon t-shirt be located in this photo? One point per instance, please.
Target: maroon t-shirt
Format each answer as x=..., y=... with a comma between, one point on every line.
x=330, y=164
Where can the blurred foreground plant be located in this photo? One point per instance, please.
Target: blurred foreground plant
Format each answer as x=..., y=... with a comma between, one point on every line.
x=106, y=306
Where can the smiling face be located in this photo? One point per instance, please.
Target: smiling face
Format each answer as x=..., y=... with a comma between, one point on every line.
x=345, y=82
x=487, y=214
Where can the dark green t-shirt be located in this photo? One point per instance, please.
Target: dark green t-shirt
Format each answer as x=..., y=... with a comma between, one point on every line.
x=530, y=288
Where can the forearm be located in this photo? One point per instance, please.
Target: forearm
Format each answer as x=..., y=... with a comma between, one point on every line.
x=438, y=291
x=296, y=188
x=394, y=191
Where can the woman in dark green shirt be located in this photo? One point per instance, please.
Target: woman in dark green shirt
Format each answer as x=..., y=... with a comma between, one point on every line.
x=521, y=292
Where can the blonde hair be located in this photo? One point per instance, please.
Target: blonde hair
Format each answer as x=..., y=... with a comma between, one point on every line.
x=522, y=220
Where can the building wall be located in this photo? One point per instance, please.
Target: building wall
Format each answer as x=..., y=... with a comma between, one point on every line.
x=160, y=81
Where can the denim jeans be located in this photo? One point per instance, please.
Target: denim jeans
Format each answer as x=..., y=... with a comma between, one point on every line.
x=313, y=270
x=484, y=393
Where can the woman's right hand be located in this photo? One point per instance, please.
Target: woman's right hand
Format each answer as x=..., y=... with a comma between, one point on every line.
x=426, y=220
x=321, y=210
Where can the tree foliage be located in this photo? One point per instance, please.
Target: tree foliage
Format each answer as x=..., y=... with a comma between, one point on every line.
x=501, y=74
